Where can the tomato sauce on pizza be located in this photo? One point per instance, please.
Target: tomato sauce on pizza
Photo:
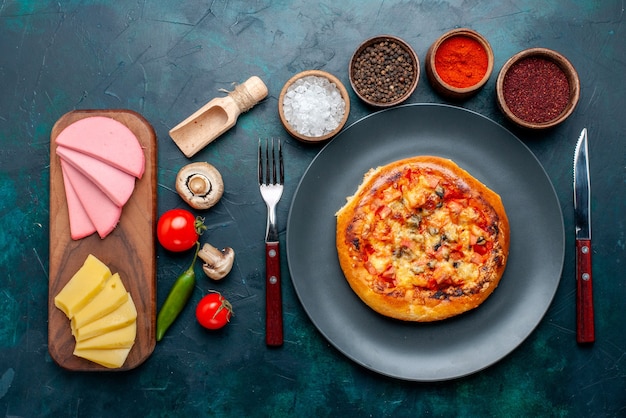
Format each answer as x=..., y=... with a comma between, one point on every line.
x=422, y=240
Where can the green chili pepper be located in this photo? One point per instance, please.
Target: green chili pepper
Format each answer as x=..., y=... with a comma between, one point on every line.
x=177, y=298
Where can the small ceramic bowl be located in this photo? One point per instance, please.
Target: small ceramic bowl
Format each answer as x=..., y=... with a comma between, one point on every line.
x=446, y=88
x=392, y=79
x=330, y=82
x=547, y=92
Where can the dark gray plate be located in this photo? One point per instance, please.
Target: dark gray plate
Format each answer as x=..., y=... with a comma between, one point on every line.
x=458, y=346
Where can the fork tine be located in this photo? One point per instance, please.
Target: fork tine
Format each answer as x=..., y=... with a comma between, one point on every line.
x=268, y=179
x=280, y=158
x=260, y=165
x=272, y=180
x=271, y=168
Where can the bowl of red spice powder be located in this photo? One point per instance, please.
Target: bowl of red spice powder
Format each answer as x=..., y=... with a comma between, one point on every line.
x=537, y=88
x=459, y=63
x=384, y=71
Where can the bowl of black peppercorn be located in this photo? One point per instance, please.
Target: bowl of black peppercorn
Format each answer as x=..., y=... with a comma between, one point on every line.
x=384, y=71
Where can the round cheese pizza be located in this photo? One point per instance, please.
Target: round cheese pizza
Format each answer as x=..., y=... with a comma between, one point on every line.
x=422, y=240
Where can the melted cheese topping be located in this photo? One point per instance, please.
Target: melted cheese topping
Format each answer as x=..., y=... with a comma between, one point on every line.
x=421, y=229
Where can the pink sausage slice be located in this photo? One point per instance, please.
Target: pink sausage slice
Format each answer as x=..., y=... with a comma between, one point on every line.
x=116, y=184
x=104, y=214
x=80, y=224
x=107, y=140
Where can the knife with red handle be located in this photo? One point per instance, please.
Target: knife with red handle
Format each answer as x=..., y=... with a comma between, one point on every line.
x=585, y=330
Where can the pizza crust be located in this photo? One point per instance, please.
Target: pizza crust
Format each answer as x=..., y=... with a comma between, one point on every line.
x=398, y=292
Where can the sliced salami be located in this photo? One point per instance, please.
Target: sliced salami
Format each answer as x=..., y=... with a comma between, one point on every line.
x=102, y=212
x=116, y=184
x=107, y=140
x=80, y=224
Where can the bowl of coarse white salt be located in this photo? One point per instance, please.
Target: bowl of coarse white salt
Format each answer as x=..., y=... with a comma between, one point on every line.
x=313, y=106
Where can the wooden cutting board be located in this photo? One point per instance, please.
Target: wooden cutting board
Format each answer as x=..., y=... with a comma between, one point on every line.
x=129, y=250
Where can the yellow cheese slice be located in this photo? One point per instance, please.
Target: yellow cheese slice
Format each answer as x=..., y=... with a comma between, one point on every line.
x=111, y=297
x=118, y=338
x=83, y=286
x=112, y=358
x=119, y=318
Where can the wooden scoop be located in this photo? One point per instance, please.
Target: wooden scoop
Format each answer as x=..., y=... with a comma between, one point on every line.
x=217, y=116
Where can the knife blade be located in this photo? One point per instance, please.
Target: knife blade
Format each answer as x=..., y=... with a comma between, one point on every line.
x=585, y=331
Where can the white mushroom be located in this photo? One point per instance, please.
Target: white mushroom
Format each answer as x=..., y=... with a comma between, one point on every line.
x=200, y=185
x=217, y=263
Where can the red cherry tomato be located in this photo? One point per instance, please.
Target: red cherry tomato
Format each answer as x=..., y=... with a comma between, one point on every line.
x=213, y=311
x=178, y=230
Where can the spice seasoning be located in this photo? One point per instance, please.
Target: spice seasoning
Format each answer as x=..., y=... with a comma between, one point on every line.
x=536, y=90
x=461, y=61
x=383, y=72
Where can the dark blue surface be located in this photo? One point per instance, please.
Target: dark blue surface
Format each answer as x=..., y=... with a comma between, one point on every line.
x=165, y=59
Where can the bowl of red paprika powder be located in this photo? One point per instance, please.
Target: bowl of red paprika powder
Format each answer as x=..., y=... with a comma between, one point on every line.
x=537, y=88
x=384, y=71
x=459, y=63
